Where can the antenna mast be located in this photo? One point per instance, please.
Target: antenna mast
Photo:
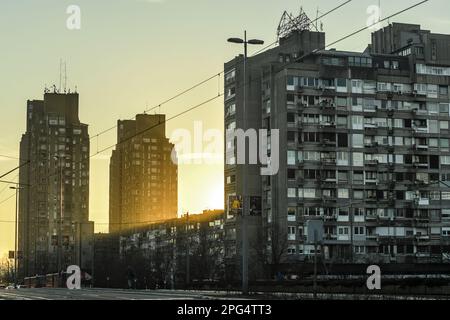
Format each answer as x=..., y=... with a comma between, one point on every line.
x=65, y=76
x=60, y=75
x=289, y=24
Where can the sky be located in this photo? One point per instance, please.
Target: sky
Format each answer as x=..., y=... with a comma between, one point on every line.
x=131, y=55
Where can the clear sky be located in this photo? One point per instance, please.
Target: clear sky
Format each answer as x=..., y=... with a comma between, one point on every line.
x=133, y=54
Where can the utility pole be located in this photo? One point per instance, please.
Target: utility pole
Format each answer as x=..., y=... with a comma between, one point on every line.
x=16, y=188
x=315, y=265
x=188, y=252
x=245, y=205
x=61, y=215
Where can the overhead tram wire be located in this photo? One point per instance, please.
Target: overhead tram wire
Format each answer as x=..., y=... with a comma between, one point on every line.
x=290, y=63
x=217, y=75
x=212, y=77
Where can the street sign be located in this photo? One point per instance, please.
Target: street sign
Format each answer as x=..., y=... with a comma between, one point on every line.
x=235, y=205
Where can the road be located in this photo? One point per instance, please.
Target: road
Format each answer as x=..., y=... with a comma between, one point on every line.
x=104, y=294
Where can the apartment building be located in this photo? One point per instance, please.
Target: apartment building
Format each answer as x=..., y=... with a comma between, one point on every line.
x=54, y=229
x=143, y=175
x=160, y=251
x=364, y=147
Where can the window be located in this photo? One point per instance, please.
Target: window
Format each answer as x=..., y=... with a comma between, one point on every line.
x=291, y=160
x=311, y=156
x=342, y=140
x=307, y=193
x=360, y=249
x=342, y=176
x=291, y=214
x=358, y=141
x=395, y=65
x=231, y=110
x=341, y=85
x=291, y=233
x=343, y=193
x=342, y=121
x=358, y=159
x=291, y=250
x=342, y=158
x=291, y=174
x=358, y=194
x=432, y=70
x=359, y=231
x=230, y=93
x=342, y=102
x=357, y=86
x=292, y=193
x=291, y=117
x=357, y=122
x=311, y=137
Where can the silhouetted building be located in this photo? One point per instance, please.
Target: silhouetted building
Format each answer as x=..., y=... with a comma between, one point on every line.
x=54, y=227
x=158, y=252
x=143, y=177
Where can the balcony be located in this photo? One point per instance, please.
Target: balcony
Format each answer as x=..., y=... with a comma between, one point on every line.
x=419, y=164
x=371, y=162
x=421, y=129
x=420, y=112
x=371, y=237
x=370, y=126
x=328, y=143
x=420, y=147
x=330, y=237
x=370, y=108
x=371, y=144
x=329, y=162
x=327, y=124
x=422, y=202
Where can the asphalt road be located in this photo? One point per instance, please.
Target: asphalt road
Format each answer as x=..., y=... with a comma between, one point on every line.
x=103, y=294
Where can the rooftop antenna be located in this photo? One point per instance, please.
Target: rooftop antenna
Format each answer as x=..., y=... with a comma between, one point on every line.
x=65, y=77
x=289, y=24
x=318, y=12
x=60, y=74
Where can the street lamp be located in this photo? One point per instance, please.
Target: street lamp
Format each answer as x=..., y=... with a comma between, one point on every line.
x=61, y=214
x=245, y=206
x=15, y=234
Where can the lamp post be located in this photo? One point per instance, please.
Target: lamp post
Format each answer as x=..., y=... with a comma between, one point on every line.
x=245, y=205
x=16, y=188
x=61, y=214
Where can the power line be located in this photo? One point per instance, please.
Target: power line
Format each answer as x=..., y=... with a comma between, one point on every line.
x=221, y=94
x=217, y=75
x=1, y=202
x=290, y=63
x=6, y=187
x=9, y=157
